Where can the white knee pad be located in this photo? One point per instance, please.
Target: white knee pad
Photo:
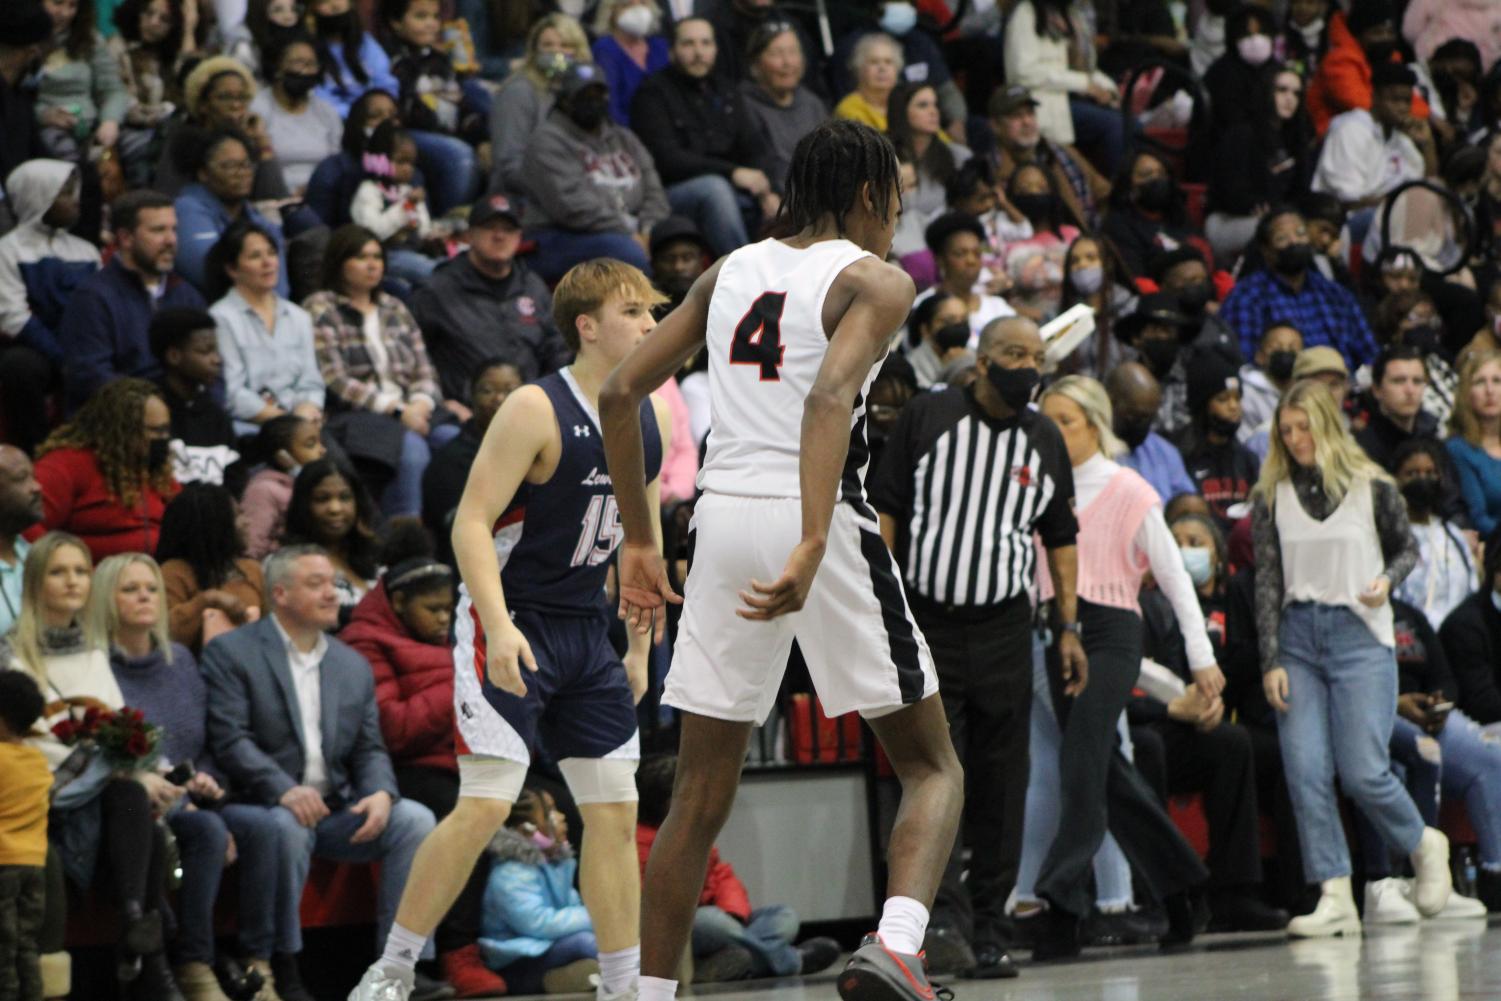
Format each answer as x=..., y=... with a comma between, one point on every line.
x=490, y=778
x=600, y=780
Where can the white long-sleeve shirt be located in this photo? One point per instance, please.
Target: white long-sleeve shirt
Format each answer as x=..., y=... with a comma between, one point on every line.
x=1360, y=161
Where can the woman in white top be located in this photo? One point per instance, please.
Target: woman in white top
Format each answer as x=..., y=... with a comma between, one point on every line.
x=1446, y=572
x=1332, y=538
x=1122, y=536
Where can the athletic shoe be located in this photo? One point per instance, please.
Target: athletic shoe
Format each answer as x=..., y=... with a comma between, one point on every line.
x=875, y=973
x=1387, y=903
x=577, y=977
x=629, y=994
x=1434, y=881
x=1119, y=928
x=1458, y=907
x=379, y=985
x=945, y=951
x=733, y=962
x=818, y=955
x=1056, y=936
x=992, y=962
x=469, y=975
x=1334, y=916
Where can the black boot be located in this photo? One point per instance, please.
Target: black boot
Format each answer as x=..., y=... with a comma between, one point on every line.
x=156, y=982
x=1057, y=936
x=818, y=954
x=143, y=930
x=1241, y=910
x=288, y=978
x=1488, y=889
x=1187, y=916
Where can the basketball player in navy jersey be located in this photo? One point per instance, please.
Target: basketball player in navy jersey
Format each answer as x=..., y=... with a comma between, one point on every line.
x=532, y=659
x=794, y=330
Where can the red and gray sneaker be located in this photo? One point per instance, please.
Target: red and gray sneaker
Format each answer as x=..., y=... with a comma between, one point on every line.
x=875, y=973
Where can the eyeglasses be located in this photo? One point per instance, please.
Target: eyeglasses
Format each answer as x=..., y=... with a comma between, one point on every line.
x=233, y=166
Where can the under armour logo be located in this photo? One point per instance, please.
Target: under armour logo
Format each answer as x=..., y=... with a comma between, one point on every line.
x=406, y=954
x=464, y=708
x=581, y=430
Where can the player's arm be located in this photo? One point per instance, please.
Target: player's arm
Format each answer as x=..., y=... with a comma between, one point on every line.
x=879, y=298
x=513, y=444
x=643, y=573
x=639, y=644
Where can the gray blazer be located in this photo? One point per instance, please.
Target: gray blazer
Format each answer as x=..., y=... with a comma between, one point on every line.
x=255, y=726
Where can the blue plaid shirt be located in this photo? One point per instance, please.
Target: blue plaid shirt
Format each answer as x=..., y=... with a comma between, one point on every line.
x=1323, y=312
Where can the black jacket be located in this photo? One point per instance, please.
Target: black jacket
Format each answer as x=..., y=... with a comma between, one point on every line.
x=1471, y=636
x=696, y=127
x=1224, y=473
x=467, y=318
x=1422, y=665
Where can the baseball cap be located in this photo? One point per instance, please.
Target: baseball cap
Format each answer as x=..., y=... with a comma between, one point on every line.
x=496, y=206
x=1009, y=98
x=1155, y=307
x=1317, y=360
x=676, y=227
x=580, y=76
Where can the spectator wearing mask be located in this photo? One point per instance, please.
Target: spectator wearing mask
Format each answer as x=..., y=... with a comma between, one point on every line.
x=1135, y=398
x=1159, y=333
x=352, y=61
x=105, y=324
x=1331, y=539
x=527, y=95
x=331, y=510
x=1305, y=35
x=303, y=128
x=1475, y=438
x=443, y=482
x=488, y=303
x=318, y=765
x=186, y=342
x=629, y=50
x=937, y=333
x=1092, y=276
x=776, y=96
x=1184, y=273
x=330, y=191
x=1221, y=467
x=1370, y=152
x=21, y=506
x=679, y=254
x=282, y=447
x=706, y=145
x=1398, y=380
x=1034, y=264
x=957, y=241
x=876, y=64
x=1266, y=158
x=217, y=200
x=592, y=186
x=1325, y=218
x=1147, y=213
x=1267, y=376
x=1236, y=81
x=217, y=95
x=1019, y=140
x=41, y=265
x=1359, y=42
x=968, y=579
x=106, y=475
x=1445, y=573
x=1290, y=291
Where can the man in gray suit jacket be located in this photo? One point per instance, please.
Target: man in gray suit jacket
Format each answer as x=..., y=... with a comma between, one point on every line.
x=292, y=719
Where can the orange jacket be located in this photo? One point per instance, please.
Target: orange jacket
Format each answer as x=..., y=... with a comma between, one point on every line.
x=1343, y=81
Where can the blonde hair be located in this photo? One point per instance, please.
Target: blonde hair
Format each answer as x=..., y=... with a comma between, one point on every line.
x=572, y=34
x=1336, y=455
x=26, y=634
x=102, y=616
x=588, y=286
x=1462, y=420
x=1090, y=397
x=206, y=72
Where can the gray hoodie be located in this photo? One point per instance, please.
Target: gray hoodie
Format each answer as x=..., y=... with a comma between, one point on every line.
x=40, y=265
x=604, y=182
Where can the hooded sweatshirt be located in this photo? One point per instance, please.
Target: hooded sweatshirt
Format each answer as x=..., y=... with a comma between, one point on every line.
x=40, y=265
x=602, y=182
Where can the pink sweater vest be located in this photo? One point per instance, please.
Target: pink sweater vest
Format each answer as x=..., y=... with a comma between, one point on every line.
x=1110, y=565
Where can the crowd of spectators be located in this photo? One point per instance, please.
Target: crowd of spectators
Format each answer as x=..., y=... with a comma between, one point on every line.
x=269, y=268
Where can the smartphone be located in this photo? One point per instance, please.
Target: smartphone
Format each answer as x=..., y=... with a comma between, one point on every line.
x=182, y=774
x=1441, y=707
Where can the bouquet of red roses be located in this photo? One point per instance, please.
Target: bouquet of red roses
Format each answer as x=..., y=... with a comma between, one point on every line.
x=122, y=737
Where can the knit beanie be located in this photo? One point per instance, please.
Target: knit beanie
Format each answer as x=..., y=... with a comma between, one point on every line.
x=1208, y=376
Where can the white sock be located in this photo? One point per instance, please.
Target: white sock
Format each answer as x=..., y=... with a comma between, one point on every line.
x=903, y=924
x=657, y=989
x=403, y=948
x=619, y=971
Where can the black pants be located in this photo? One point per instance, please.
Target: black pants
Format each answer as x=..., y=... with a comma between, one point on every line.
x=438, y=790
x=1288, y=888
x=26, y=377
x=1099, y=788
x=133, y=851
x=1221, y=766
x=985, y=678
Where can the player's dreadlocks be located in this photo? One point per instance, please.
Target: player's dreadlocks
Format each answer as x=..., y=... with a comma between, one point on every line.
x=829, y=167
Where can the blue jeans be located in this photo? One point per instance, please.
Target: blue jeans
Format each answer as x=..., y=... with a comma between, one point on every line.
x=560, y=249
x=1420, y=775
x=524, y=976
x=1112, y=873
x=710, y=201
x=403, y=495
x=202, y=837
x=1470, y=770
x=409, y=823
x=410, y=266
x=1099, y=130
x=1342, y=701
x=768, y=936
x=448, y=165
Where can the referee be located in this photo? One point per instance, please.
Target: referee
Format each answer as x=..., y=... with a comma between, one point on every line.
x=969, y=474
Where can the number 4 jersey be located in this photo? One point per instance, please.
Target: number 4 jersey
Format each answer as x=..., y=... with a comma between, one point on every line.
x=766, y=343
x=558, y=537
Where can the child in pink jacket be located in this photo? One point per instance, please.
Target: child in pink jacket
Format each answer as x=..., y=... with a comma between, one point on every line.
x=285, y=444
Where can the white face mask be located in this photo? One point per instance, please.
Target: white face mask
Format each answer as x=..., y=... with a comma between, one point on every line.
x=636, y=21
x=1311, y=32
x=1255, y=49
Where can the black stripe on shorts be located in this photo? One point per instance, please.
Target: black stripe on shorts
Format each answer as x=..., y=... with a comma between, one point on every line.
x=899, y=632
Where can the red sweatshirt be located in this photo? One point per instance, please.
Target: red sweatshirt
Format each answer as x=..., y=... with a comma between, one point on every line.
x=1343, y=81
x=76, y=499
x=722, y=888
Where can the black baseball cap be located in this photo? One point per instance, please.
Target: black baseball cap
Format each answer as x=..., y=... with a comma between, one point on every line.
x=492, y=207
x=1009, y=98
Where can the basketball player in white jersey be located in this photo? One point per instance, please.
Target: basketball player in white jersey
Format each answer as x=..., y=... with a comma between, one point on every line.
x=795, y=330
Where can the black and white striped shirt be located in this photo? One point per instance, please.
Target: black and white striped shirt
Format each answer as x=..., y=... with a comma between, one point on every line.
x=967, y=492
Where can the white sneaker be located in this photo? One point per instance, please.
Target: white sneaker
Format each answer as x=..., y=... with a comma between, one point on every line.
x=629, y=994
x=1386, y=903
x=379, y=985
x=1334, y=916
x=1461, y=908
x=1434, y=882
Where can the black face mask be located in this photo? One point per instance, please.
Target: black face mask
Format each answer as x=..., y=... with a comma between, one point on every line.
x=1155, y=196
x=157, y=452
x=1421, y=494
x=1294, y=259
x=1425, y=338
x=587, y=110
x=1133, y=430
x=298, y=85
x=335, y=26
x=1159, y=355
x=1037, y=208
x=1013, y=385
x=1193, y=298
x=955, y=335
x=1222, y=427
x=1279, y=364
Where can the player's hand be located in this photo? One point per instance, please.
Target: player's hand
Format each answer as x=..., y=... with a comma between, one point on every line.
x=506, y=652
x=1073, y=664
x=644, y=589
x=637, y=671
x=789, y=592
x=1210, y=681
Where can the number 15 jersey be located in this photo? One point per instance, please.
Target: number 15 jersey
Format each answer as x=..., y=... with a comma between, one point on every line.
x=766, y=343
